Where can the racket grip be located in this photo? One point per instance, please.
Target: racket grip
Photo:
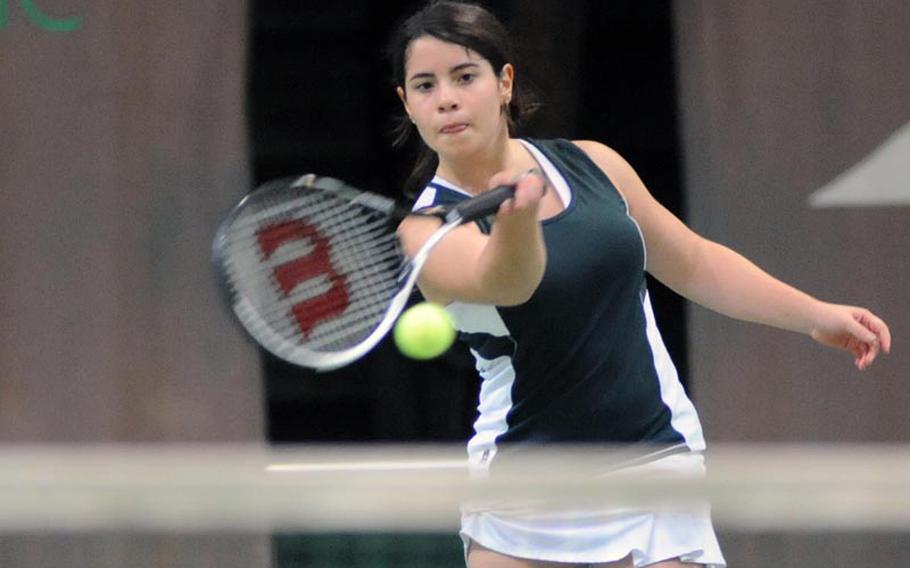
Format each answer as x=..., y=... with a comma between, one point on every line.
x=487, y=203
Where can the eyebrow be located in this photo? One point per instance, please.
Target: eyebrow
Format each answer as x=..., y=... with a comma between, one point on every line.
x=455, y=69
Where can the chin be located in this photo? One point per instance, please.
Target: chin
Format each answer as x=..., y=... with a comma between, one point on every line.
x=463, y=145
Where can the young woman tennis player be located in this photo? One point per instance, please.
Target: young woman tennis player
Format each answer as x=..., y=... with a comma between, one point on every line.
x=551, y=298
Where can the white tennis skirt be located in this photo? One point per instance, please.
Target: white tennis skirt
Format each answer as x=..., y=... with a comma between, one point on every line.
x=597, y=535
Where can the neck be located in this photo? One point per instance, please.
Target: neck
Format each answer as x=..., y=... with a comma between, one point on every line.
x=472, y=173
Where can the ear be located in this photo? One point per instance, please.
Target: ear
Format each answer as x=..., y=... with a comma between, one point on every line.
x=506, y=81
x=404, y=99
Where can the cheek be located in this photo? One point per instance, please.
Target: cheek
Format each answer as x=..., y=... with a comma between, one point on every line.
x=422, y=116
x=492, y=111
x=421, y=108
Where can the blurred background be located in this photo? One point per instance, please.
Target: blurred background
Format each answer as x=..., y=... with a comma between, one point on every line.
x=129, y=129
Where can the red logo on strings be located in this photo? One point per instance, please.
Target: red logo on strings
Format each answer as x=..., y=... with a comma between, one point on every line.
x=288, y=275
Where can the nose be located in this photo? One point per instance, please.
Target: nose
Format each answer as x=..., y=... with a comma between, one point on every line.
x=447, y=98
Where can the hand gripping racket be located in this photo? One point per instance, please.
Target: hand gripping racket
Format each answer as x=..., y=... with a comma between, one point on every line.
x=314, y=268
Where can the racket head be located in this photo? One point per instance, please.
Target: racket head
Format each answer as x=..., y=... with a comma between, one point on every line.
x=312, y=267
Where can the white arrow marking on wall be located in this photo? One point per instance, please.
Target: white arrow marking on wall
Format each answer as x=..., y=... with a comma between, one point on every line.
x=881, y=179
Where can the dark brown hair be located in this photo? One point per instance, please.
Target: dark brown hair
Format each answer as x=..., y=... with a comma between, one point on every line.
x=472, y=27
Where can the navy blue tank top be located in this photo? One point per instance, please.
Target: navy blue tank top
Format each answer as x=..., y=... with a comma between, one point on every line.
x=582, y=360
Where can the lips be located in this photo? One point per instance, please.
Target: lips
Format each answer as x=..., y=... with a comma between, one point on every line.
x=453, y=128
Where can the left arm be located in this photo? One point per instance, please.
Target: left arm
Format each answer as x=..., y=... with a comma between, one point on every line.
x=720, y=279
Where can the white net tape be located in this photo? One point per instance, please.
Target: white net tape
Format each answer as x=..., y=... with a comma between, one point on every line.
x=407, y=488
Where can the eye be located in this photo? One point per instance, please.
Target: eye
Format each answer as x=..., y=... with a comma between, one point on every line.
x=422, y=86
x=466, y=78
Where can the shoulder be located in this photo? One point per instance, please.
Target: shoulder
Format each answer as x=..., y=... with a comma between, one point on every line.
x=559, y=147
x=620, y=172
x=607, y=158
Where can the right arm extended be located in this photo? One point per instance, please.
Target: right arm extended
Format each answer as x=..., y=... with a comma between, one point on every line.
x=502, y=268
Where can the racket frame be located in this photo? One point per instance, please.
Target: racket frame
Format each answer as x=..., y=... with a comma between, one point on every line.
x=284, y=347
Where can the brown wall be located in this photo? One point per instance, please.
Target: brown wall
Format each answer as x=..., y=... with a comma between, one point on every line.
x=778, y=99
x=122, y=143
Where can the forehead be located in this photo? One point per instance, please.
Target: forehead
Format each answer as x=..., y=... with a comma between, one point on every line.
x=428, y=54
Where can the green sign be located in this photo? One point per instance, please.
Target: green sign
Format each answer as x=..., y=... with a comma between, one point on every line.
x=39, y=18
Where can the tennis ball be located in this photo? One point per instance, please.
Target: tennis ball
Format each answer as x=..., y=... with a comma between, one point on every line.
x=424, y=331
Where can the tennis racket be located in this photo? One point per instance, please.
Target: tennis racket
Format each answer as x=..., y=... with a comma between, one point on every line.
x=315, y=271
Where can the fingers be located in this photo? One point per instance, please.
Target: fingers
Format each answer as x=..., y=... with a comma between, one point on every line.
x=872, y=335
x=865, y=355
x=529, y=189
x=866, y=360
x=856, y=330
x=860, y=330
x=858, y=348
x=528, y=192
x=879, y=328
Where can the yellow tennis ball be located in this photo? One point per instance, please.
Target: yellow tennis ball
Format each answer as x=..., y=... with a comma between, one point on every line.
x=424, y=331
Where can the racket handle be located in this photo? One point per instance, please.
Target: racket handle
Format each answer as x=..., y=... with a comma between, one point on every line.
x=481, y=206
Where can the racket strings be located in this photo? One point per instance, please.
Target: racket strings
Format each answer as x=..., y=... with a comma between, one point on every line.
x=374, y=284
x=362, y=312
x=364, y=254
x=374, y=246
